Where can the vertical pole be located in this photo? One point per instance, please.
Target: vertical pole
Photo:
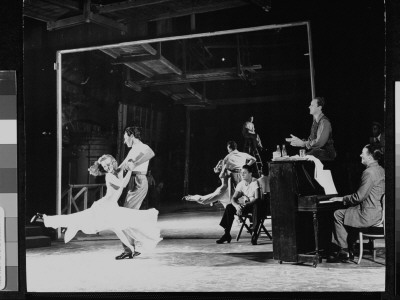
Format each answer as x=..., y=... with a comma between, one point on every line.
x=151, y=126
x=59, y=136
x=187, y=151
x=85, y=198
x=310, y=57
x=146, y=124
x=69, y=201
x=88, y=160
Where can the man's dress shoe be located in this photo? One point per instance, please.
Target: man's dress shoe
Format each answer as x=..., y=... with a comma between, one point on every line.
x=127, y=255
x=341, y=256
x=224, y=238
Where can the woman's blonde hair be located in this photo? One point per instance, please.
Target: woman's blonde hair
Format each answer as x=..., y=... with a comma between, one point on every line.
x=97, y=170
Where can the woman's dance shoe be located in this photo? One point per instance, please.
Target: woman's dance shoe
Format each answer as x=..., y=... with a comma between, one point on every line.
x=69, y=234
x=224, y=238
x=37, y=217
x=127, y=255
x=186, y=198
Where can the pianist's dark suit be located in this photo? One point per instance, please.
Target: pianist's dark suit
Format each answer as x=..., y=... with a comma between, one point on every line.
x=366, y=209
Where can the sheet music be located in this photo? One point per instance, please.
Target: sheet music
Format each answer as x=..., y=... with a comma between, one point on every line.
x=323, y=177
x=2, y=251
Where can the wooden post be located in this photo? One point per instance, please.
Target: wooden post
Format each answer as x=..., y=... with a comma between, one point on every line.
x=187, y=151
x=58, y=69
x=69, y=200
x=85, y=198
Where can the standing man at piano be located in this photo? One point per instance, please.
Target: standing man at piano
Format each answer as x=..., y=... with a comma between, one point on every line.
x=365, y=205
x=320, y=141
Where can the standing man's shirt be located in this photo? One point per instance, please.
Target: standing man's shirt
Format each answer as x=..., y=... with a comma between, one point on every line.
x=136, y=151
x=235, y=160
x=320, y=141
x=321, y=132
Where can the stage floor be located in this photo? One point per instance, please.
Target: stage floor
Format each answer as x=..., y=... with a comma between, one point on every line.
x=189, y=260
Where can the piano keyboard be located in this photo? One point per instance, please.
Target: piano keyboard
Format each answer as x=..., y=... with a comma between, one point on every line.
x=318, y=202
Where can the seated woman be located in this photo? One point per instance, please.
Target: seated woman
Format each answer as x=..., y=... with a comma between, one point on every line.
x=221, y=194
x=105, y=214
x=365, y=205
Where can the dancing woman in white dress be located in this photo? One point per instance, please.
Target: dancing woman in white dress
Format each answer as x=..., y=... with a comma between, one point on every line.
x=221, y=194
x=105, y=214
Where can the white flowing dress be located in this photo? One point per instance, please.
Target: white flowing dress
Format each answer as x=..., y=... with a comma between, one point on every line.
x=106, y=214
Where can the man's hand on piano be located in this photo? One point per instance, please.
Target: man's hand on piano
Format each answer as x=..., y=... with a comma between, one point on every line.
x=336, y=199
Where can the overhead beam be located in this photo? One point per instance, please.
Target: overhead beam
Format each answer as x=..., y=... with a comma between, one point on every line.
x=142, y=69
x=214, y=6
x=100, y=20
x=264, y=4
x=81, y=19
x=190, y=77
x=37, y=16
x=135, y=59
x=170, y=65
x=67, y=22
x=262, y=99
x=71, y=5
x=133, y=86
x=145, y=71
x=199, y=76
x=87, y=16
x=109, y=8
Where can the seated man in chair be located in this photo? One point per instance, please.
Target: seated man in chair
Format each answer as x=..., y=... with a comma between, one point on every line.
x=365, y=205
x=247, y=198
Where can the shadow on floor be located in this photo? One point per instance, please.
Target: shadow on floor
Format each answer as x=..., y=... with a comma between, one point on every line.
x=254, y=256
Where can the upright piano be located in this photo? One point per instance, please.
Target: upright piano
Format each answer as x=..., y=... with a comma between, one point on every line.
x=301, y=215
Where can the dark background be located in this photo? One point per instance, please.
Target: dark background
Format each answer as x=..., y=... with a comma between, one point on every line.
x=349, y=55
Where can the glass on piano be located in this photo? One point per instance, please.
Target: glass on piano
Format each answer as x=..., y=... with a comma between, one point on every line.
x=302, y=153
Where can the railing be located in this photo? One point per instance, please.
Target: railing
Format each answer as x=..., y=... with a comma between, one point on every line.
x=82, y=193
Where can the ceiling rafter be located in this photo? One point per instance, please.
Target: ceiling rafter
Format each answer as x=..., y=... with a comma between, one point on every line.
x=71, y=5
x=38, y=16
x=200, y=8
x=264, y=4
x=199, y=76
x=62, y=7
x=129, y=4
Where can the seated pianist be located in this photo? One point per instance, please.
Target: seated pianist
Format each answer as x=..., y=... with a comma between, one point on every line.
x=247, y=198
x=365, y=205
x=320, y=141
